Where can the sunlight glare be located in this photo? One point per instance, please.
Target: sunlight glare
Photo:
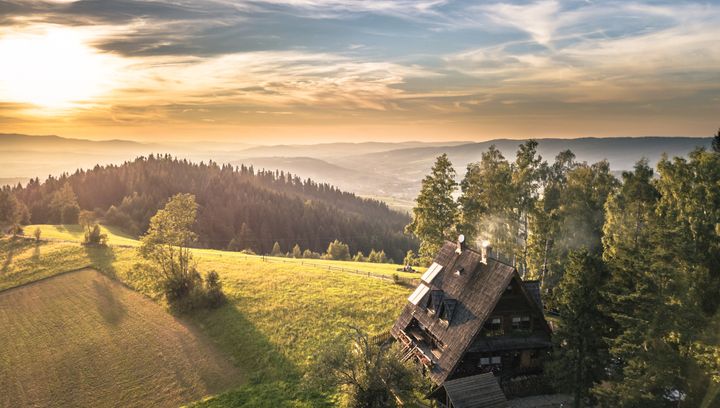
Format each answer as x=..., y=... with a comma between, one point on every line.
x=53, y=69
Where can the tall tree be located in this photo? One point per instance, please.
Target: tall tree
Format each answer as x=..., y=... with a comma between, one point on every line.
x=580, y=215
x=580, y=354
x=716, y=142
x=8, y=209
x=527, y=174
x=64, y=205
x=488, y=201
x=436, y=212
x=167, y=243
x=655, y=317
x=545, y=220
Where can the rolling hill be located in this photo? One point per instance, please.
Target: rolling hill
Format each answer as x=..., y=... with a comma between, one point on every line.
x=239, y=208
x=279, y=317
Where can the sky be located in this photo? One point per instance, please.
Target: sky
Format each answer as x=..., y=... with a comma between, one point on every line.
x=277, y=71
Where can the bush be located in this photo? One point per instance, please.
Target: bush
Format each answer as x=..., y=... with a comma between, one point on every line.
x=247, y=251
x=37, y=233
x=94, y=236
x=396, y=278
x=213, y=290
x=184, y=292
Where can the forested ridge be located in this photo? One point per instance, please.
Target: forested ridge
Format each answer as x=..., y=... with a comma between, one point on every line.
x=239, y=207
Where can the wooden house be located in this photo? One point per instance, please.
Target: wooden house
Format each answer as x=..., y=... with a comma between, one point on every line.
x=472, y=314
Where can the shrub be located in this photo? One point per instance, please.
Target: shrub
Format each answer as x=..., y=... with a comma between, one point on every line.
x=94, y=236
x=37, y=233
x=213, y=290
x=185, y=292
x=396, y=278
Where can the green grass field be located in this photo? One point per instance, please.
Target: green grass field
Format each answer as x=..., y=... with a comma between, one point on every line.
x=278, y=319
x=82, y=339
x=75, y=233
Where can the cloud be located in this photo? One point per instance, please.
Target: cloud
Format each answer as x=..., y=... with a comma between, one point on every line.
x=680, y=57
x=538, y=19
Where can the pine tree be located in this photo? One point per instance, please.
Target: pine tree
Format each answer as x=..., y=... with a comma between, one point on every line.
x=276, y=250
x=359, y=257
x=580, y=354
x=296, y=252
x=436, y=212
x=655, y=314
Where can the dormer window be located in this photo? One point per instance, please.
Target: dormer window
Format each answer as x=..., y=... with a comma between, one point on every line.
x=434, y=301
x=447, y=310
x=459, y=271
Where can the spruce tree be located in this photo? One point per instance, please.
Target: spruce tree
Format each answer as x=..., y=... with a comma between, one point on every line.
x=436, y=212
x=276, y=250
x=580, y=355
x=655, y=314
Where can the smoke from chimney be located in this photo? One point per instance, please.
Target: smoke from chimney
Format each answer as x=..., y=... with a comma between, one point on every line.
x=486, y=249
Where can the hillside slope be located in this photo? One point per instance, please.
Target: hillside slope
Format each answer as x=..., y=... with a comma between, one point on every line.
x=278, y=319
x=82, y=339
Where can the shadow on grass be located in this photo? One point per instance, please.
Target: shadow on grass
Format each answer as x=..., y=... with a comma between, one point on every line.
x=36, y=252
x=102, y=258
x=273, y=380
x=108, y=305
x=8, y=248
x=8, y=259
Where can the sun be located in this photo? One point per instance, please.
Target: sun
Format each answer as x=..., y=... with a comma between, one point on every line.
x=52, y=68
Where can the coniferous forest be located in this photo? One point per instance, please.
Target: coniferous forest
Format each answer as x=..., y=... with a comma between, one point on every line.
x=629, y=265
x=239, y=207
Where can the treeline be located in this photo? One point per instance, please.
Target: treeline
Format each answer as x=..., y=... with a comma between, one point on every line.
x=631, y=265
x=533, y=212
x=239, y=207
x=336, y=251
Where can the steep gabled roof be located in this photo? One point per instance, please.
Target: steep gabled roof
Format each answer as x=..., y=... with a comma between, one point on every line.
x=476, y=391
x=533, y=289
x=476, y=290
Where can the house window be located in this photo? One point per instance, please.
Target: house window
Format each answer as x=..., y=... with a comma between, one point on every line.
x=521, y=323
x=493, y=326
x=490, y=361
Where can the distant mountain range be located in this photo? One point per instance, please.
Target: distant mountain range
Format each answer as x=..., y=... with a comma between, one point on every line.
x=391, y=171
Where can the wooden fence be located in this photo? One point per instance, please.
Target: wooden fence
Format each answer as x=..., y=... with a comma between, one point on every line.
x=400, y=280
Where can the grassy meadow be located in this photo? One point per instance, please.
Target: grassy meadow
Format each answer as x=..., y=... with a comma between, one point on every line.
x=83, y=339
x=278, y=319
